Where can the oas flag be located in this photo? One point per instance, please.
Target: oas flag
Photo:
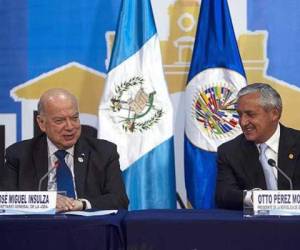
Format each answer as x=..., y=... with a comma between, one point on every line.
x=216, y=74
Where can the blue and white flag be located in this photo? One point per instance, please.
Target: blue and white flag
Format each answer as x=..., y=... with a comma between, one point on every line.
x=136, y=112
x=216, y=74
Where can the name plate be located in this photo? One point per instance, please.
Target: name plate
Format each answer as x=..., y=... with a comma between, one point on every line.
x=276, y=202
x=33, y=202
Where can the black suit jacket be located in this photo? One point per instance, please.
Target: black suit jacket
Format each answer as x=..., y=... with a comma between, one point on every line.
x=239, y=167
x=97, y=179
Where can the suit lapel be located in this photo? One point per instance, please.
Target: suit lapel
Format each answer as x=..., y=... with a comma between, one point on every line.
x=287, y=155
x=40, y=160
x=252, y=166
x=81, y=158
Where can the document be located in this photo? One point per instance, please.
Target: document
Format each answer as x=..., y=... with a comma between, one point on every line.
x=91, y=213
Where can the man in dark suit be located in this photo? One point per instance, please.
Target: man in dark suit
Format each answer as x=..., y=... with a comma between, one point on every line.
x=88, y=169
x=243, y=161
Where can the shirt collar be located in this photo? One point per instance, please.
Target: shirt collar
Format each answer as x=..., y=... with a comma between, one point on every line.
x=273, y=141
x=52, y=148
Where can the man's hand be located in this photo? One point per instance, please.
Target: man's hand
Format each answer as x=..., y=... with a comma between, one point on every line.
x=64, y=204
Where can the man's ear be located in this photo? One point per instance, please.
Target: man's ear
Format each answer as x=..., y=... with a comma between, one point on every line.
x=41, y=122
x=275, y=114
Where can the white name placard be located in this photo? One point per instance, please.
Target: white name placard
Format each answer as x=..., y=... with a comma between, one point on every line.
x=33, y=202
x=276, y=202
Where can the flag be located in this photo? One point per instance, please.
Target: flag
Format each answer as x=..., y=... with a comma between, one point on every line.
x=135, y=111
x=216, y=74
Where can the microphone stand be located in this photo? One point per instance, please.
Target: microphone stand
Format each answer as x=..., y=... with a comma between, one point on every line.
x=272, y=163
x=46, y=175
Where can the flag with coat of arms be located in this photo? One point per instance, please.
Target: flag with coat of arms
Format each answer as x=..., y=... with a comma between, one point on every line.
x=216, y=75
x=135, y=111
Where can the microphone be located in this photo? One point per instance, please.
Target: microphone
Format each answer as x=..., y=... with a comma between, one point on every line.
x=272, y=163
x=56, y=164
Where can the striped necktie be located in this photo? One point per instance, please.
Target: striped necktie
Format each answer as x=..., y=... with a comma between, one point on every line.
x=64, y=178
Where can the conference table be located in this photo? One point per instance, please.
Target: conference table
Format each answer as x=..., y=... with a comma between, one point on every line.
x=150, y=230
x=209, y=229
x=61, y=232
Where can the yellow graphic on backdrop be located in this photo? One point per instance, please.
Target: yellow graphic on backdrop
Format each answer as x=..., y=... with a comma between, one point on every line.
x=177, y=50
x=85, y=83
x=253, y=49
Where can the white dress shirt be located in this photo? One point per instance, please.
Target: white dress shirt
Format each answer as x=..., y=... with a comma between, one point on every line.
x=271, y=153
x=52, y=161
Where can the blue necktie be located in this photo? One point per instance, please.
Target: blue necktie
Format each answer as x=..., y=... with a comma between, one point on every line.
x=268, y=171
x=64, y=177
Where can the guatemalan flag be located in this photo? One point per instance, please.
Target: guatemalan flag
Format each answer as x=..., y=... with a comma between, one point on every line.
x=216, y=74
x=136, y=112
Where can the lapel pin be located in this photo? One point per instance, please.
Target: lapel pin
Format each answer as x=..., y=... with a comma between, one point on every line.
x=291, y=156
x=81, y=158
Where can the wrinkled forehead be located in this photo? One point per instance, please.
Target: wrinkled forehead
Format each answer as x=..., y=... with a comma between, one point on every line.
x=61, y=105
x=57, y=99
x=251, y=98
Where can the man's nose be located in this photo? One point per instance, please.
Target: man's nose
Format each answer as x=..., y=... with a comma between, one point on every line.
x=243, y=120
x=69, y=124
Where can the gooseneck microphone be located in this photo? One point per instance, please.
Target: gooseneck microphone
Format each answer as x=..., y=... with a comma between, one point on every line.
x=56, y=164
x=272, y=163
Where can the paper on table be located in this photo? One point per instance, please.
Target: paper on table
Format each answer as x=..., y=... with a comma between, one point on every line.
x=91, y=213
